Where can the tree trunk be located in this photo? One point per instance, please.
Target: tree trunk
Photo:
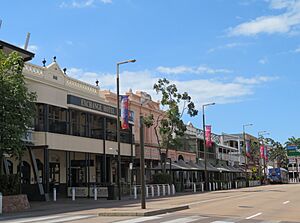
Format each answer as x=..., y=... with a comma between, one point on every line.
x=1, y=165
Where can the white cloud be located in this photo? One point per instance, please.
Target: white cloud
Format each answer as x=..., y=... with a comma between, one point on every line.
x=297, y=50
x=263, y=61
x=82, y=3
x=255, y=80
x=190, y=70
x=286, y=22
x=33, y=48
x=202, y=90
x=227, y=46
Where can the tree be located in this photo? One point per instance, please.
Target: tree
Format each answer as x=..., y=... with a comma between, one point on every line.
x=293, y=141
x=16, y=106
x=169, y=126
x=277, y=153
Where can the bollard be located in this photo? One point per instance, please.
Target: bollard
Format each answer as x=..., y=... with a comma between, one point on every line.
x=95, y=193
x=173, y=189
x=194, y=188
x=202, y=187
x=147, y=192
x=164, y=190
x=54, y=194
x=152, y=190
x=0, y=203
x=158, y=190
x=73, y=193
x=221, y=186
x=216, y=186
x=236, y=184
x=135, y=192
x=209, y=186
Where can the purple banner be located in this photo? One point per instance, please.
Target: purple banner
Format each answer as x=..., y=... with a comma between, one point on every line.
x=124, y=112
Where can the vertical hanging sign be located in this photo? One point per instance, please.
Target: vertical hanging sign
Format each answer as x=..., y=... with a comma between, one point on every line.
x=208, y=135
x=124, y=112
x=248, y=148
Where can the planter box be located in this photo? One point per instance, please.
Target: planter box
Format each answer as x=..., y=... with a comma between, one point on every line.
x=15, y=203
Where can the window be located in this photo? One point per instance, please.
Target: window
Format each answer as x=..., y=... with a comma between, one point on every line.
x=39, y=122
x=111, y=129
x=57, y=120
x=78, y=123
x=97, y=126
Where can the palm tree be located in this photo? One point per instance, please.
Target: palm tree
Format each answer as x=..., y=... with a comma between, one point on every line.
x=278, y=153
x=293, y=141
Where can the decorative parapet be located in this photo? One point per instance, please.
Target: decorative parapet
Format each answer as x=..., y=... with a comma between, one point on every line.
x=42, y=72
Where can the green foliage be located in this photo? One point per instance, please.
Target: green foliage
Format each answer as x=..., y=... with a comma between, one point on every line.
x=169, y=126
x=162, y=178
x=277, y=153
x=16, y=105
x=293, y=141
x=9, y=184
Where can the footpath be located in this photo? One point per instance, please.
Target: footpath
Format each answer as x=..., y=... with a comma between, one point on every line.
x=102, y=207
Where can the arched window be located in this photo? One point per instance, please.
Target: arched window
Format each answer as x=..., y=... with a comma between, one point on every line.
x=25, y=172
x=180, y=157
x=10, y=166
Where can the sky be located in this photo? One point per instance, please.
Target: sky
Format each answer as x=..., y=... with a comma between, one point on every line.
x=243, y=55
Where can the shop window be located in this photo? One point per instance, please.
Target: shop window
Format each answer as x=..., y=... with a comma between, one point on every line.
x=25, y=172
x=57, y=120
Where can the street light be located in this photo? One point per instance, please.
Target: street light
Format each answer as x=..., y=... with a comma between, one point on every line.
x=142, y=155
x=204, y=144
x=244, y=147
x=118, y=126
x=260, y=136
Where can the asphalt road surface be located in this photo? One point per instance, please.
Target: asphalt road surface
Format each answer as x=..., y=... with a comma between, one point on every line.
x=272, y=203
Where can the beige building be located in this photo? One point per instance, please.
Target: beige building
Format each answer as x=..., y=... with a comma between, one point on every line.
x=74, y=139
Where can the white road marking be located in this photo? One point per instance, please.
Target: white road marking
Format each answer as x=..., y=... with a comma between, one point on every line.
x=141, y=219
x=184, y=220
x=25, y=220
x=222, y=222
x=286, y=202
x=70, y=218
x=217, y=199
x=253, y=216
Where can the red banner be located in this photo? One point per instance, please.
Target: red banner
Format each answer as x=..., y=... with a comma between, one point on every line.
x=208, y=135
x=262, y=151
x=124, y=112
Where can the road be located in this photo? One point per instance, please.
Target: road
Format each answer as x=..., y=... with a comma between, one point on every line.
x=272, y=203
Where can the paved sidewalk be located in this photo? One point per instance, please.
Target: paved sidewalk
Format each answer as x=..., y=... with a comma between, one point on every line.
x=125, y=207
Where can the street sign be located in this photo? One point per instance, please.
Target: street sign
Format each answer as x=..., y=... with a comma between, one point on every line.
x=293, y=153
x=291, y=147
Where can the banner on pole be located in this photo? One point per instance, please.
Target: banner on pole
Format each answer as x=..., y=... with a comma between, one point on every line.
x=262, y=152
x=124, y=112
x=248, y=148
x=208, y=135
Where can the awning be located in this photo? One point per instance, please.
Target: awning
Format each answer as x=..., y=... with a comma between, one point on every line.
x=222, y=168
x=209, y=167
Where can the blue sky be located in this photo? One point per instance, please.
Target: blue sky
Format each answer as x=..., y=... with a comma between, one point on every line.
x=243, y=55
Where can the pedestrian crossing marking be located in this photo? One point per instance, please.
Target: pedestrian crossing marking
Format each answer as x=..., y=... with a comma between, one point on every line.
x=50, y=219
x=141, y=219
x=185, y=220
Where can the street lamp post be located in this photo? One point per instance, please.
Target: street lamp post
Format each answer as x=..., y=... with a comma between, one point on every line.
x=118, y=126
x=244, y=147
x=204, y=144
x=260, y=135
x=142, y=156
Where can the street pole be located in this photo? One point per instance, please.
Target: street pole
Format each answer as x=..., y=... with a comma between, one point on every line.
x=244, y=148
x=142, y=163
x=260, y=135
x=118, y=127
x=204, y=145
